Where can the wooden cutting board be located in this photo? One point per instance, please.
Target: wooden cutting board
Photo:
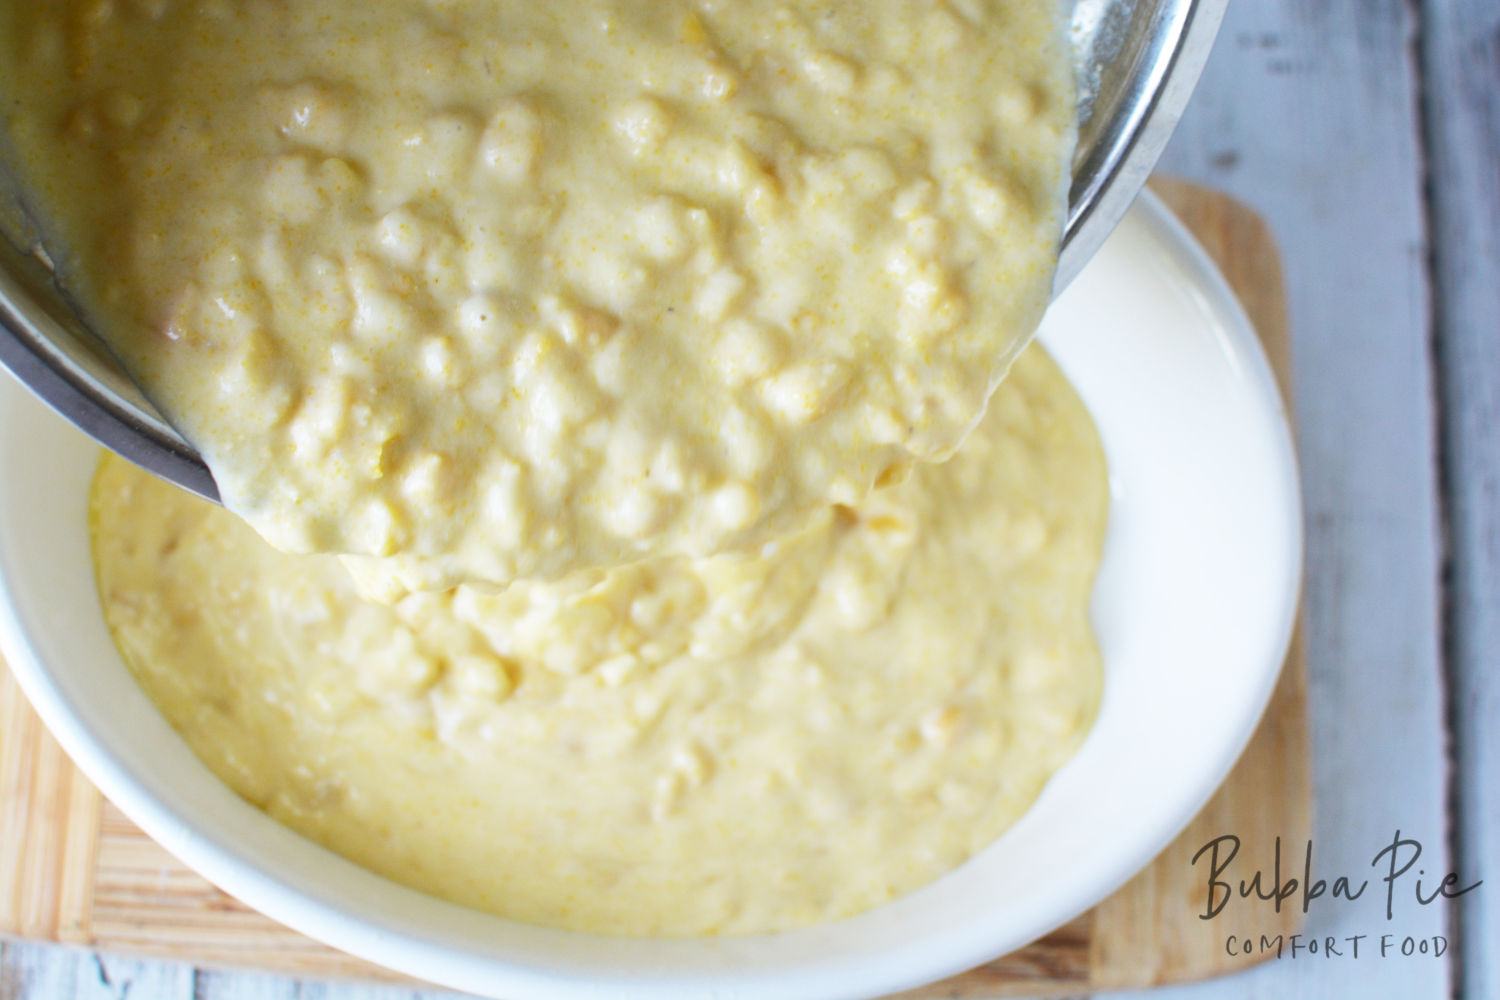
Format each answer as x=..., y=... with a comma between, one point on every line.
x=73, y=869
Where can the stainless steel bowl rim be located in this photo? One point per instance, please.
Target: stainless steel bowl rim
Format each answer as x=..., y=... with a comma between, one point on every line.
x=1106, y=181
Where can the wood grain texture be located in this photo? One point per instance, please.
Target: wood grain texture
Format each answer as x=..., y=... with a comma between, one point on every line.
x=49, y=822
x=1461, y=59
x=72, y=974
x=144, y=902
x=1308, y=110
x=1150, y=932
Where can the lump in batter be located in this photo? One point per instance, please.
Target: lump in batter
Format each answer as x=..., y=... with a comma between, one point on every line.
x=488, y=290
x=727, y=745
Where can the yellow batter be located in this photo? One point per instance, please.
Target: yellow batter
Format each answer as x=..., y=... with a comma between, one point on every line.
x=716, y=746
x=510, y=289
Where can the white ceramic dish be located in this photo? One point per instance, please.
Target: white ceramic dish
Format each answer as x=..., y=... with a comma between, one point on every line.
x=1194, y=605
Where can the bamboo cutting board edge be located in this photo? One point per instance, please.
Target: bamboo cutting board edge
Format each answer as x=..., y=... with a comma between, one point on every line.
x=73, y=869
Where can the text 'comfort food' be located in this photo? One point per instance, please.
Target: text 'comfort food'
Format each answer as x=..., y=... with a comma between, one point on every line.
x=685, y=746
x=491, y=290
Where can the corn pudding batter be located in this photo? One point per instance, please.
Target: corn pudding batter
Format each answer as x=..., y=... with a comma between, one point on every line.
x=723, y=745
x=496, y=290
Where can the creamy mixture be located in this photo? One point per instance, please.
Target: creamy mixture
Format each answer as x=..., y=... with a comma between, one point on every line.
x=614, y=313
x=683, y=746
x=505, y=290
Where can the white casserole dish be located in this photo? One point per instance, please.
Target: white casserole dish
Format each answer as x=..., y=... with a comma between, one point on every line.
x=1193, y=608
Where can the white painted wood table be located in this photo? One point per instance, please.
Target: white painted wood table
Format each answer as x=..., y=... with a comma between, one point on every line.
x=1368, y=133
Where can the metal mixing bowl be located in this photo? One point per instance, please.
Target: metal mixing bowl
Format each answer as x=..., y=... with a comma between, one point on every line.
x=1137, y=63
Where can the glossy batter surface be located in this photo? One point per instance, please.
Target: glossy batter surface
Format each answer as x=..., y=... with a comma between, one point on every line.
x=680, y=747
x=506, y=290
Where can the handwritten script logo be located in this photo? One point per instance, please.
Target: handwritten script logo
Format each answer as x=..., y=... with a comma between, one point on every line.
x=1395, y=859
x=1392, y=866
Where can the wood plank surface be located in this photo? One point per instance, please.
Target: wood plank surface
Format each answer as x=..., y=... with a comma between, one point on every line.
x=1461, y=57
x=1309, y=111
x=130, y=896
x=49, y=822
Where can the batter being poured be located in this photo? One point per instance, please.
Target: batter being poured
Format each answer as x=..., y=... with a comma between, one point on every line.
x=724, y=745
x=490, y=290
